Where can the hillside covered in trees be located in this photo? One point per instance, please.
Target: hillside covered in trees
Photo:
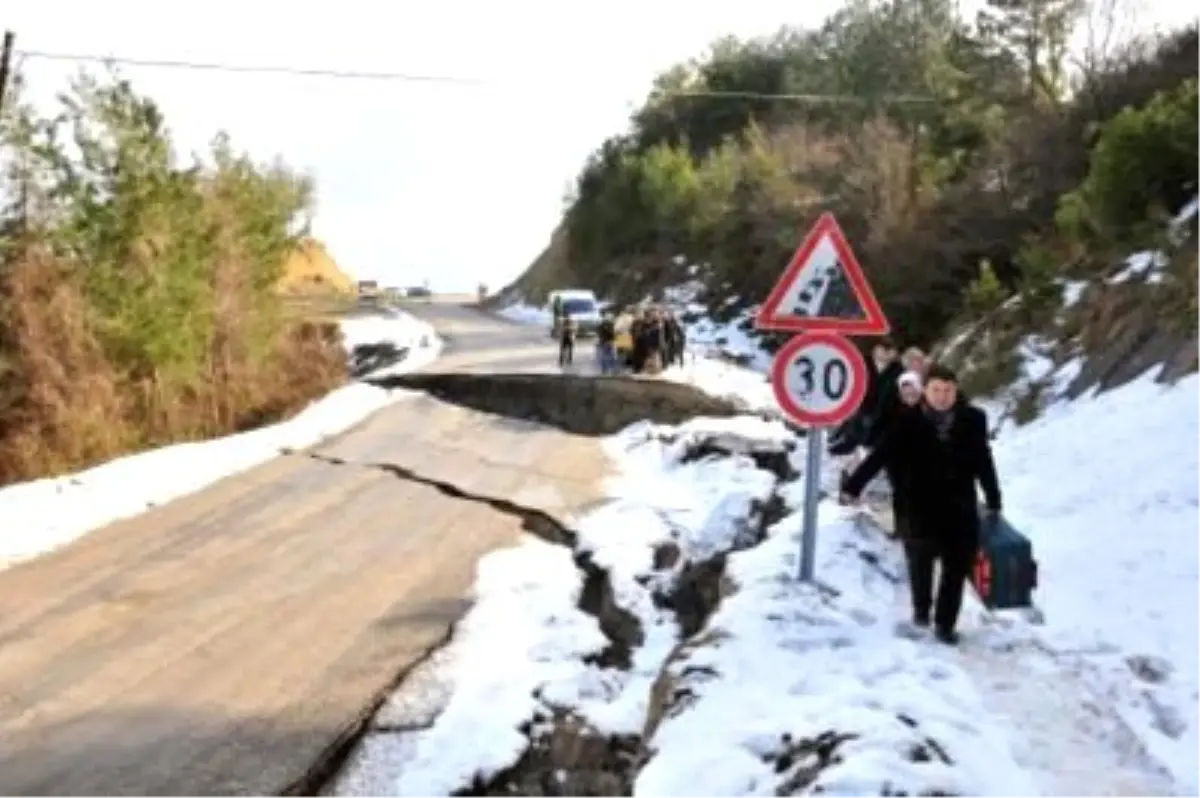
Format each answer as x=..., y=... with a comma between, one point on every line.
x=966, y=159
x=139, y=292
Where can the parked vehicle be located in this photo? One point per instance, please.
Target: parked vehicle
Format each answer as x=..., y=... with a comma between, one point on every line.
x=583, y=307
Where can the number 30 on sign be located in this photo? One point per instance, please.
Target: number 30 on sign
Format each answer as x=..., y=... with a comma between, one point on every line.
x=819, y=379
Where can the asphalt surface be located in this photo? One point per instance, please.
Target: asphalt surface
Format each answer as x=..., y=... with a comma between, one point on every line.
x=479, y=342
x=225, y=643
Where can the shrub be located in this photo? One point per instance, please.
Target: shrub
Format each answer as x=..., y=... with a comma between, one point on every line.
x=137, y=297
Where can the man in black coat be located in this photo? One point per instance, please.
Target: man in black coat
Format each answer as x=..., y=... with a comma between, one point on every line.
x=939, y=450
x=862, y=429
x=884, y=401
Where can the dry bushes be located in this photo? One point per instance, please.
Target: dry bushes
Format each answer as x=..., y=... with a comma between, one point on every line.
x=137, y=297
x=64, y=405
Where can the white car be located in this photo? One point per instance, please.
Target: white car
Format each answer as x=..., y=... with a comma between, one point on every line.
x=583, y=307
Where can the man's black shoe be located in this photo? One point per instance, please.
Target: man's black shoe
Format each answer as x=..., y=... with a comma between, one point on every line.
x=947, y=636
x=920, y=620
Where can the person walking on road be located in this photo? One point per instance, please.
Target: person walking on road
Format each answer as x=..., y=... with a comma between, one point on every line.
x=606, y=336
x=940, y=450
x=676, y=340
x=915, y=360
x=911, y=391
x=566, y=340
x=911, y=388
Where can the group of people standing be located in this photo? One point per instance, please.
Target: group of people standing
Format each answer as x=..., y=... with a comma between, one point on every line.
x=932, y=443
x=655, y=340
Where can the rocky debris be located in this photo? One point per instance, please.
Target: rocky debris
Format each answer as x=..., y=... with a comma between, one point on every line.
x=768, y=449
x=738, y=357
x=775, y=460
x=800, y=762
x=666, y=555
x=696, y=592
x=1149, y=668
x=695, y=589
x=672, y=692
x=622, y=628
x=369, y=358
x=567, y=756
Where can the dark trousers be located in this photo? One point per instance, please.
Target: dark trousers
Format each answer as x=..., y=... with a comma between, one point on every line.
x=956, y=557
x=566, y=351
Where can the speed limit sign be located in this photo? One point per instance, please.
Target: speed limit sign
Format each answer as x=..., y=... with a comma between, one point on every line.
x=819, y=379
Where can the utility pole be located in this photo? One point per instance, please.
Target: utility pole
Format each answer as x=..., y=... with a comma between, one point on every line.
x=5, y=62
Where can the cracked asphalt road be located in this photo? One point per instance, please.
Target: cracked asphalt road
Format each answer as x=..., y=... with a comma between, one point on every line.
x=227, y=642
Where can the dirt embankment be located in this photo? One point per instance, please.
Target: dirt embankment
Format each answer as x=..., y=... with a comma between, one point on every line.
x=577, y=404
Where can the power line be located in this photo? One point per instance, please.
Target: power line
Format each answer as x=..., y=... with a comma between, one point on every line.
x=811, y=98
x=243, y=68
x=212, y=66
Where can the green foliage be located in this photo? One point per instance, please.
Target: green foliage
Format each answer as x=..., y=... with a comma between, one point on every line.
x=1039, y=288
x=729, y=180
x=938, y=142
x=170, y=272
x=985, y=293
x=1143, y=168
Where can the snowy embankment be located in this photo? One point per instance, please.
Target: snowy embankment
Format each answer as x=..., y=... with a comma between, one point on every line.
x=42, y=515
x=1105, y=694
x=1105, y=486
x=670, y=651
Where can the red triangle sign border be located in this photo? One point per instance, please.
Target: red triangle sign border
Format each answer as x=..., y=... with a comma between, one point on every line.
x=875, y=322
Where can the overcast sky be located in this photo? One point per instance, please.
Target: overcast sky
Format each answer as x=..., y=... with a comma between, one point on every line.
x=451, y=183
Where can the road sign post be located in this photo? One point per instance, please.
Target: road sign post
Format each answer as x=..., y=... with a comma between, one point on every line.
x=819, y=380
x=819, y=377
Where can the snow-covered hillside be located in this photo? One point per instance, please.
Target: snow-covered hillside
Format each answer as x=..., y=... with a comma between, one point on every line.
x=1108, y=690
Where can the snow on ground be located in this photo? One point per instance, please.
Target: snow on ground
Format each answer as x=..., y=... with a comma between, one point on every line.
x=750, y=388
x=1106, y=487
x=42, y=515
x=396, y=327
x=526, y=314
x=1101, y=699
x=525, y=647
x=789, y=687
x=812, y=690
x=1083, y=481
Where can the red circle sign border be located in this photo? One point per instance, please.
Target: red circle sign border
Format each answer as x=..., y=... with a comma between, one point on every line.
x=784, y=357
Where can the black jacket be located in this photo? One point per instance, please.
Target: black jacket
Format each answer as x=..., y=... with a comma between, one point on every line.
x=937, y=478
x=606, y=333
x=885, y=403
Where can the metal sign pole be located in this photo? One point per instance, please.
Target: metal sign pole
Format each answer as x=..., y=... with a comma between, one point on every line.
x=812, y=496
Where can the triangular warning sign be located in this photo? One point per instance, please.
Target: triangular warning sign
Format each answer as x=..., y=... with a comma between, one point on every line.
x=823, y=288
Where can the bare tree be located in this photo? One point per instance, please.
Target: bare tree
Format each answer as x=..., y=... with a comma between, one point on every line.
x=1106, y=26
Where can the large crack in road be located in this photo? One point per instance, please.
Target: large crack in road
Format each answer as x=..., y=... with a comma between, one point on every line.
x=533, y=520
x=597, y=600
x=566, y=755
